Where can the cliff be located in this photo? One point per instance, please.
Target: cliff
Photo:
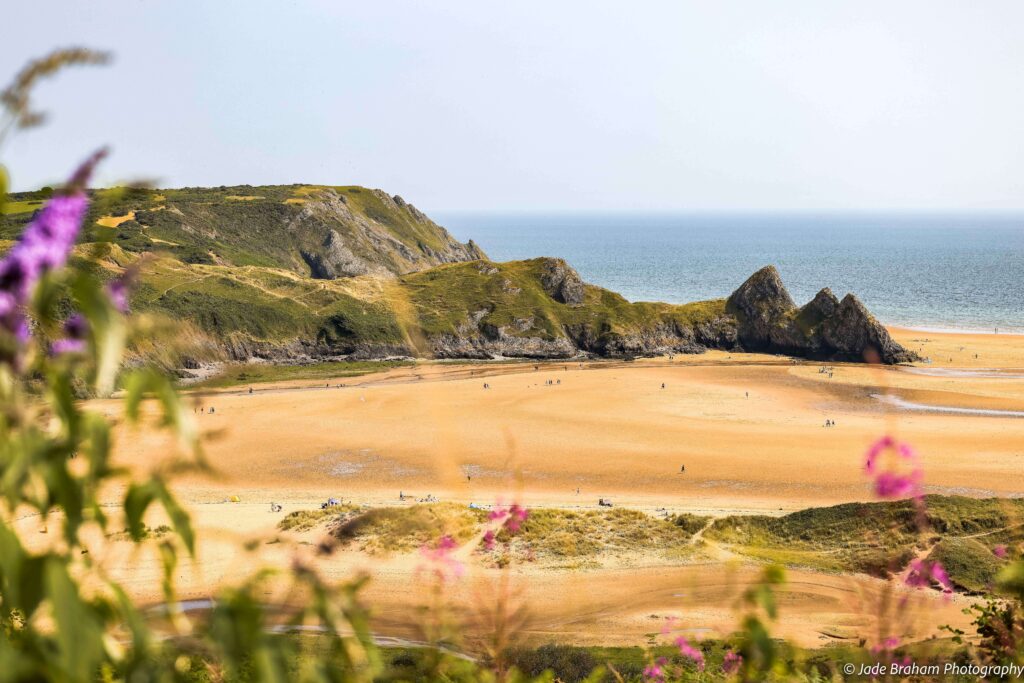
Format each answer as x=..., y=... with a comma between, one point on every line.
x=315, y=231
x=300, y=273
x=825, y=328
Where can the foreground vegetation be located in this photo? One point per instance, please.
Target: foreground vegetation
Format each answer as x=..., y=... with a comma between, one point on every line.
x=572, y=664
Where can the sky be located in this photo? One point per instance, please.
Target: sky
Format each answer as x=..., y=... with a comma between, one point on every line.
x=542, y=106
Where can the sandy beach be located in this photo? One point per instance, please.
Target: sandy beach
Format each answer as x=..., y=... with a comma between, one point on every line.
x=748, y=428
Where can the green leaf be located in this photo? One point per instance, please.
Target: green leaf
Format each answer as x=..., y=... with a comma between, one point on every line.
x=136, y=501
x=79, y=631
x=179, y=518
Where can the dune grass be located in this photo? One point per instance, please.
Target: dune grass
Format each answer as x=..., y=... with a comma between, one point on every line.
x=404, y=529
x=971, y=565
x=876, y=538
x=241, y=374
x=556, y=533
x=304, y=520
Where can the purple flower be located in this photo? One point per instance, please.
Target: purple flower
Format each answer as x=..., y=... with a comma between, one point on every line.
x=119, y=290
x=731, y=663
x=999, y=551
x=44, y=245
x=76, y=329
x=62, y=346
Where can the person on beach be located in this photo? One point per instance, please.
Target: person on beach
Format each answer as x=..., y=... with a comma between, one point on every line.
x=682, y=469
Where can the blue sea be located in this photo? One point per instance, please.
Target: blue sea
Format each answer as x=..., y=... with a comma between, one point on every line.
x=941, y=271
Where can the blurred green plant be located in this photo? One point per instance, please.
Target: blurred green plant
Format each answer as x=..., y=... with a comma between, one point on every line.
x=62, y=336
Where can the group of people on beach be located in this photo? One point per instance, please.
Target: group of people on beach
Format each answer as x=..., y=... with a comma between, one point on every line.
x=429, y=498
x=830, y=423
x=826, y=370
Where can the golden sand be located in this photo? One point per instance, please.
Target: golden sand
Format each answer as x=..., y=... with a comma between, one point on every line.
x=748, y=428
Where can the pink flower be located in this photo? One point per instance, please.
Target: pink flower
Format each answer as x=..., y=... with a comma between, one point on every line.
x=497, y=513
x=887, y=645
x=731, y=663
x=940, y=575
x=516, y=516
x=999, y=551
x=923, y=573
x=440, y=561
x=656, y=671
x=489, y=539
x=889, y=484
x=691, y=652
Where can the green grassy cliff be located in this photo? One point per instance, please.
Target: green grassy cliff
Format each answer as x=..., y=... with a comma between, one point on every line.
x=304, y=272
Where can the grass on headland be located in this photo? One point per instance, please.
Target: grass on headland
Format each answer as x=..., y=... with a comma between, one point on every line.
x=26, y=206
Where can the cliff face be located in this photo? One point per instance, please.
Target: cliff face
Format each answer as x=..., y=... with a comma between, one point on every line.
x=336, y=239
x=314, y=231
x=299, y=273
x=824, y=328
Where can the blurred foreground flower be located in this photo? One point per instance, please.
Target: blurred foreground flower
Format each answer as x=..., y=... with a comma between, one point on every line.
x=440, y=559
x=924, y=572
x=43, y=246
x=887, y=645
x=656, y=672
x=76, y=329
x=731, y=663
x=892, y=483
x=690, y=652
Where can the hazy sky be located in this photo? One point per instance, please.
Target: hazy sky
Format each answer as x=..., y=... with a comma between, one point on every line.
x=668, y=105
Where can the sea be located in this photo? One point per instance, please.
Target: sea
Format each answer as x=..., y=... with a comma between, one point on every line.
x=928, y=271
